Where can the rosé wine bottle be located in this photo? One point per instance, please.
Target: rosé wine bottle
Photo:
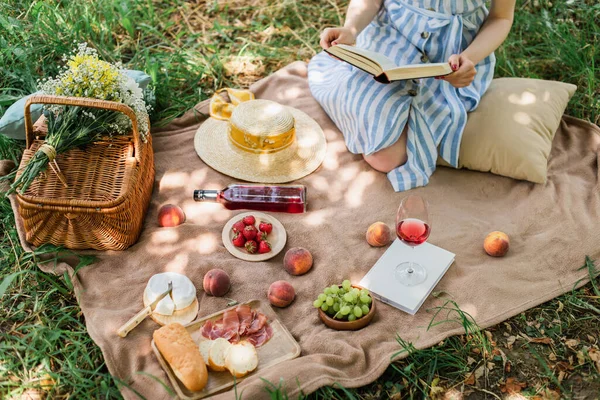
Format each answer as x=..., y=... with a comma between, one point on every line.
x=270, y=198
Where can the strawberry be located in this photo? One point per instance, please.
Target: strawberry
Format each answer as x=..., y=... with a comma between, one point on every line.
x=238, y=239
x=264, y=247
x=260, y=236
x=266, y=227
x=249, y=220
x=250, y=232
x=238, y=226
x=251, y=246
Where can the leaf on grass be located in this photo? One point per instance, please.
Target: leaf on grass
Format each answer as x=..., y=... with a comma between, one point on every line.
x=571, y=343
x=561, y=306
x=541, y=340
x=552, y=357
x=580, y=358
x=512, y=385
x=510, y=341
x=594, y=355
x=470, y=380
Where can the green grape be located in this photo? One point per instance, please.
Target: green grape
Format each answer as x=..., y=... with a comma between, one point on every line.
x=365, y=309
x=329, y=301
x=351, y=317
x=324, y=307
x=336, y=307
x=364, y=292
x=356, y=292
x=346, y=284
x=317, y=303
x=357, y=311
x=348, y=297
x=334, y=289
x=322, y=297
x=345, y=310
x=365, y=299
x=327, y=290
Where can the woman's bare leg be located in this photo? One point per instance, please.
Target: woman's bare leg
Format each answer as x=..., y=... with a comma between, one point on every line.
x=391, y=157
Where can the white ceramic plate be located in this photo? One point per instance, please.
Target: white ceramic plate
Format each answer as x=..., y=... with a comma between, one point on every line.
x=277, y=237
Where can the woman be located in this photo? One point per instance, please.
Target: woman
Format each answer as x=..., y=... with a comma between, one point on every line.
x=400, y=127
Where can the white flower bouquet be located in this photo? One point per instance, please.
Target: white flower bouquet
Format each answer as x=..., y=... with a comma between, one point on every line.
x=84, y=75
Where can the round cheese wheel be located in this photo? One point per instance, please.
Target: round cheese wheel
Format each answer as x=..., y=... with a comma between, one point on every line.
x=183, y=294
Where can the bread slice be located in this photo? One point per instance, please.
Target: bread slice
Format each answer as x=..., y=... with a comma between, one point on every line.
x=241, y=359
x=217, y=353
x=182, y=354
x=205, y=346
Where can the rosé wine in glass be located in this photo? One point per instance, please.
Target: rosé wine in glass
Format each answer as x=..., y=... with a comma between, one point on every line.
x=413, y=227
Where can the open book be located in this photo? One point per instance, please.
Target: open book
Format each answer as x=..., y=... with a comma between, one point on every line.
x=382, y=68
x=382, y=283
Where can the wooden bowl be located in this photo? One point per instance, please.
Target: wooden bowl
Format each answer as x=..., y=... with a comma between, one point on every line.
x=349, y=325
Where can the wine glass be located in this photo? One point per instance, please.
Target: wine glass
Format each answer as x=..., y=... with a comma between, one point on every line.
x=412, y=227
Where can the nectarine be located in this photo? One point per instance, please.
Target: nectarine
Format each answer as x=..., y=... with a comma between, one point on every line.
x=170, y=215
x=379, y=234
x=297, y=261
x=496, y=244
x=216, y=282
x=281, y=294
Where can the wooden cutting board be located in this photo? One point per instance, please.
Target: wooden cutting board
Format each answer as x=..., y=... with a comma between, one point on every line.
x=281, y=347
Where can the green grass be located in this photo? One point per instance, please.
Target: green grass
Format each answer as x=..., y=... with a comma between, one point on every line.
x=191, y=49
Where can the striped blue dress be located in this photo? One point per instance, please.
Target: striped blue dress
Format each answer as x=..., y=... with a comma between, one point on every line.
x=372, y=115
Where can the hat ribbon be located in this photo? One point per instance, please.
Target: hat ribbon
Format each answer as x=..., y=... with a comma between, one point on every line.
x=221, y=109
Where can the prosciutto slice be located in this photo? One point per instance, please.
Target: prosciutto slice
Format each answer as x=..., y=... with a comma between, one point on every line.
x=246, y=317
x=259, y=338
x=241, y=323
x=231, y=326
x=257, y=324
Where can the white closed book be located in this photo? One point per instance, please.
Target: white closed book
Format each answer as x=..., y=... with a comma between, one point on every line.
x=383, y=285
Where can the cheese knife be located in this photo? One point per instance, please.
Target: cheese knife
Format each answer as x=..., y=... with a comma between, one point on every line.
x=139, y=317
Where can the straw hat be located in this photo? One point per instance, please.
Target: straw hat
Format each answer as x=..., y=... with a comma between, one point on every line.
x=263, y=141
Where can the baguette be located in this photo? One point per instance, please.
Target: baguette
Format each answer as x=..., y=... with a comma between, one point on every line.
x=217, y=353
x=241, y=359
x=205, y=346
x=183, y=355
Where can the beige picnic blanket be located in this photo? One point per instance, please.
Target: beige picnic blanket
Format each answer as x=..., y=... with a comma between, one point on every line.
x=552, y=228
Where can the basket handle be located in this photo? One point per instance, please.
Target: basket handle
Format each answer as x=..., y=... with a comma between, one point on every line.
x=82, y=102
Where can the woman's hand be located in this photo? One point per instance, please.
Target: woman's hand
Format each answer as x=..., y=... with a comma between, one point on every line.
x=333, y=36
x=464, y=71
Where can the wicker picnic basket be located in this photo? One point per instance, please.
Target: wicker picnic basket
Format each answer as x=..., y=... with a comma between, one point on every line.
x=109, y=184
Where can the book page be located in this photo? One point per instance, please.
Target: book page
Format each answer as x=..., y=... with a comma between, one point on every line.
x=414, y=71
x=365, y=64
x=383, y=62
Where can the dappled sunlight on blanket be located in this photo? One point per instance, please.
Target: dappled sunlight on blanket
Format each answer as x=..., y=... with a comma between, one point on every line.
x=178, y=264
x=205, y=244
x=526, y=98
x=356, y=191
x=316, y=218
x=522, y=118
x=164, y=236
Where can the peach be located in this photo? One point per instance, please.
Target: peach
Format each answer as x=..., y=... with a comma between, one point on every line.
x=216, y=282
x=281, y=294
x=297, y=261
x=170, y=215
x=379, y=234
x=496, y=244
